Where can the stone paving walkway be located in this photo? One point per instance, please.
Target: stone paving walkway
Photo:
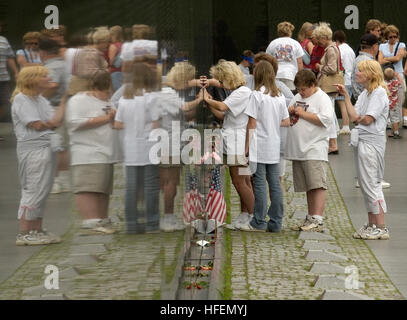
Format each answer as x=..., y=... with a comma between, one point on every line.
x=289, y=265
x=294, y=265
x=102, y=267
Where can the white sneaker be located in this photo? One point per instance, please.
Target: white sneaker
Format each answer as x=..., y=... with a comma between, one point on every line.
x=376, y=234
x=312, y=224
x=248, y=227
x=358, y=234
x=171, y=224
x=97, y=226
x=385, y=185
x=243, y=218
x=33, y=238
x=52, y=237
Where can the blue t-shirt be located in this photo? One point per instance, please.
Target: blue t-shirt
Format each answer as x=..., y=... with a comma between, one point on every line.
x=385, y=49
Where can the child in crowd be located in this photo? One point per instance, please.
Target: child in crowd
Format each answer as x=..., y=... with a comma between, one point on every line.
x=94, y=151
x=267, y=111
x=138, y=115
x=396, y=100
x=307, y=146
x=34, y=120
x=247, y=63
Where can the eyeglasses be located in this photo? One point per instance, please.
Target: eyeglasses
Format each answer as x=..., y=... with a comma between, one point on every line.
x=31, y=43
x=392, y=37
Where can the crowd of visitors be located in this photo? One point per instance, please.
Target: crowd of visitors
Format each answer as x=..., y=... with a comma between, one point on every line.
x=82, y=105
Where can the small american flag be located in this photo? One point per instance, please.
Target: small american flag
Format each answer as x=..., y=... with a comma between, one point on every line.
x=192, y=199
x=215, y=203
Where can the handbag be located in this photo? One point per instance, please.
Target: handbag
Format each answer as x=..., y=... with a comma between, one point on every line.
x=390, y=64
x=306, y=58
x=327, y=81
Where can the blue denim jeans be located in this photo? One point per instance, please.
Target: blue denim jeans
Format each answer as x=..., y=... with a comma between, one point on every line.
x=117, y=80
x=142, y=182
x=269, y=173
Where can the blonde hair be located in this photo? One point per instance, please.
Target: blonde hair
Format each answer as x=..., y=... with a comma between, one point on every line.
x=391, y=29
x=116, y=33
x=374, y=72
x=101, y=34
x=285, y=29
x=141, y=31
x=323, y=31
x=372, y=24
x=389, y=74
x=229, y=74
x=33, y=35
x=27, y=80
x=305, y=28
x=180, y=74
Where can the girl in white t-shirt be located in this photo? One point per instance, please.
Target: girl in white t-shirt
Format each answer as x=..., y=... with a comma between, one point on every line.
x=369, y=141
x=138, y=115
x=231, y=111
x=34, y=120
x=267, y=112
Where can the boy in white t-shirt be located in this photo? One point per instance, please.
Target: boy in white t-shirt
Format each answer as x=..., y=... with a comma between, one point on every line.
x=307, y=146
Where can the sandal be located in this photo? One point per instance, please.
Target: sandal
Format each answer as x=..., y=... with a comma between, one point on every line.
x=333, y=152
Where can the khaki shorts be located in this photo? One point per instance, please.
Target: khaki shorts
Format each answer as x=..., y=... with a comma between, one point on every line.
x=235, y=160
x=310, y=175
x=92, y=178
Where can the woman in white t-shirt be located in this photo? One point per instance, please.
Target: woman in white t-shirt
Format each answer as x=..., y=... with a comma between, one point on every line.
x=231, y=111
x=307, y=146
x=288, y=53
x=34, y=120
x=267, y=112
x=369, y=141
x=94, y=149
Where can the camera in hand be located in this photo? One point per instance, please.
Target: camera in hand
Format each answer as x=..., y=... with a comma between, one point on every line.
x=293, y=117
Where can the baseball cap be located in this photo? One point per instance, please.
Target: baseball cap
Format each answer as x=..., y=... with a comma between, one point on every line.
x=368, y=39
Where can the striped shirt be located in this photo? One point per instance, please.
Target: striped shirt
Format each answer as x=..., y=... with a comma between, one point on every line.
x=5, y=53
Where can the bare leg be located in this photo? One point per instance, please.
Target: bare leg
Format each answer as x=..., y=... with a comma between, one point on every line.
x=27, y=225
x=88, y=205
x=395, y=127
x=345, y=117
x=316, y=201
x=245, y=192
x=103, y=205
x=333, y=145
x=170, y=179
x=377, y=219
